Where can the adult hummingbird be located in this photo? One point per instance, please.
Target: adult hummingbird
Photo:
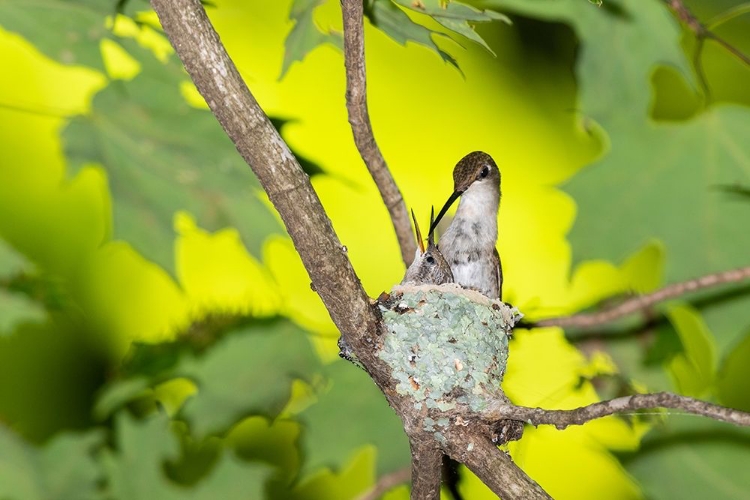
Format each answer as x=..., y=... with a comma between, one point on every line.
x=429, y=266
x=469, y=242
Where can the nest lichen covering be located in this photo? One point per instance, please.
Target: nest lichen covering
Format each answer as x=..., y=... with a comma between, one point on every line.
x=446, y=345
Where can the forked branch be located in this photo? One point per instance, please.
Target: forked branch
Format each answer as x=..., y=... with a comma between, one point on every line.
x=703, y=33
x=359, y=118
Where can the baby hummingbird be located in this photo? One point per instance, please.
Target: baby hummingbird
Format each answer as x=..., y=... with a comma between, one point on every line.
x=469, y=242
x=429, y=266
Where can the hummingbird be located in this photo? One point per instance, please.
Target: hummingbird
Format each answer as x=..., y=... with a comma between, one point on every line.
x=469, y=242
x=429, y=265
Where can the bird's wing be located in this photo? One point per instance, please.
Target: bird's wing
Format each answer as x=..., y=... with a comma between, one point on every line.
x=499, y=275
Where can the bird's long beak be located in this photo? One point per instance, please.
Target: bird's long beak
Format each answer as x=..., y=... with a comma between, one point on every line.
x=431, y=235
x=420, y=241
x=445, y=208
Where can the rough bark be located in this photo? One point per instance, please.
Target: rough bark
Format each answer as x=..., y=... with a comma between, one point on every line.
x=426, y=467
x=493, y=466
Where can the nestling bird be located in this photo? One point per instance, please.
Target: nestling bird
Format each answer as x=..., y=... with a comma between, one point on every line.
x=429, y=266
x=469, y=242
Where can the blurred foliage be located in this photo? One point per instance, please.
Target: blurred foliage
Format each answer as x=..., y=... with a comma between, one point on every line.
x=305, y=36
x=692, y=458
x=329, y=437
x=15, y=308
x=161, y=156
x=158, y=335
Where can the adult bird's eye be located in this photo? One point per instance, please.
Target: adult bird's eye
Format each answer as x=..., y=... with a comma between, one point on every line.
x=485, y=172
x=430, y=259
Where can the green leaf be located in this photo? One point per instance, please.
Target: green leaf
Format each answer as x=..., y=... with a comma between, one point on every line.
x=394, y=22
x=693, y=458
x=622, y=43
x=15, y=308
x=249, y=372
x=353, y=413
x=663, y=181
x=305, y=35
x=117, y=394
x=162, y=155
x=455, y=16
x=12, y=263
x=733, y=384
x=352, y=482
x=694, y=370
x=657, y=180
x=136, y=470
x=62, y=469
x=68, y=31
x=246, y=371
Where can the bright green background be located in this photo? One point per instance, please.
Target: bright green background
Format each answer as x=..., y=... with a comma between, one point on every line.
x=158, y=335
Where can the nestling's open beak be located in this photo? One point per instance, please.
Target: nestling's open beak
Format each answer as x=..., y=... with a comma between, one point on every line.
x=431, y=235
x=445, y=208
x=420, y=241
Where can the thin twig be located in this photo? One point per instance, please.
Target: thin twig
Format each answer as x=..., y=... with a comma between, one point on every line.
x=589, y=320
x=729, y=47
x=359, y=118
x=563, y=418
x=687, y=17
x=426, y=467
x=699, y=71
x=702, y=32
x=728, y=15
x=386, y=483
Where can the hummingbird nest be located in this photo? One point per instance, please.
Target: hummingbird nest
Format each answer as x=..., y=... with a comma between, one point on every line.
x=446, y=345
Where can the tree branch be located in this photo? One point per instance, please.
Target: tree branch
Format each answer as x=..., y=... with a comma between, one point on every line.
x=492, y=466
x=386, y=483
x=359, y=118
x=563, y=418
x=589, y=320
x=426, y=467
x=217, y=79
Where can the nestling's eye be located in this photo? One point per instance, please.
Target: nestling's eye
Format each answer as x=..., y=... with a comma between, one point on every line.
x=485, y=172
x=430, y=259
